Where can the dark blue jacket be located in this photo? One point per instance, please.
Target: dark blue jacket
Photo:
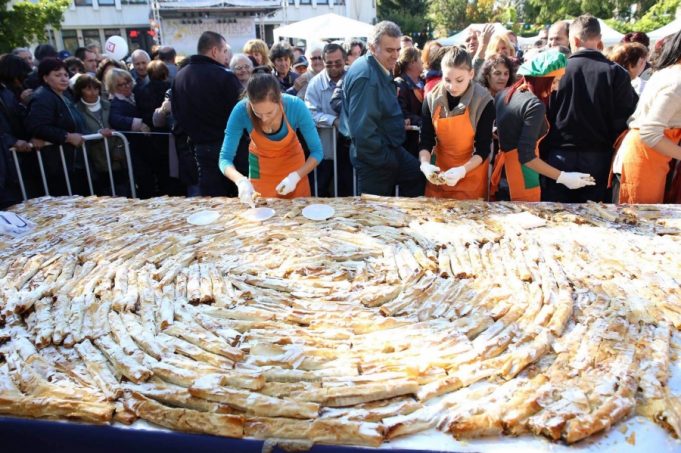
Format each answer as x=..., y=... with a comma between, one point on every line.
x=591, y=107
x=204, y=94
x=122, y=114
x=372, y=115
x=49, y=117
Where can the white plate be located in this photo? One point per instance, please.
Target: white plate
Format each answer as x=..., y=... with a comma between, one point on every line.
x=318, y=211
x=203, y=217
x=259, y=214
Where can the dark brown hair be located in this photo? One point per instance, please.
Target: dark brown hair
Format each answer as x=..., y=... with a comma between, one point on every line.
x=408, y=55
x=488, y=67
x=85, y=81
x=261, y=87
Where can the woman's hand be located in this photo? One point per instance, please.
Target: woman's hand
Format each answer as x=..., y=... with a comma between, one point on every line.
x=23, y=146
x=74, y=139
x=25, y=96
x=288, y=184
x=37, y=143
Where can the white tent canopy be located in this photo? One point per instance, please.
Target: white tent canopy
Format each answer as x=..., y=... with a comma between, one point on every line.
x=326, y=26
x=609, y=35
x=460, y=37
x=669, y=29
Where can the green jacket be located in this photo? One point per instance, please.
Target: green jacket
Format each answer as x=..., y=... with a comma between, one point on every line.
x=96, y=151
x=372, y=115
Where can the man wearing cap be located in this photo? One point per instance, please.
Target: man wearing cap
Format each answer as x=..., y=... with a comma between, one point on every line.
x=521, y=124
x=300, y=65
x=587, y=114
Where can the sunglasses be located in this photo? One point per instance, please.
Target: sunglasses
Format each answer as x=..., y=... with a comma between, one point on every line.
x=315, y=58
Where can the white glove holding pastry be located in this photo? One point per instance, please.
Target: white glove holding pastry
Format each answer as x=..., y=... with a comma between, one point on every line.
x=246, y=192
x=574, y=180
x=288, y=184
x=454, y=175
x=430, y=171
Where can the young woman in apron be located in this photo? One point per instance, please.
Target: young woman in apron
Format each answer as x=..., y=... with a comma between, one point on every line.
x=655, y=131
x=456, y=132
x=277, y=164
x=522, y=124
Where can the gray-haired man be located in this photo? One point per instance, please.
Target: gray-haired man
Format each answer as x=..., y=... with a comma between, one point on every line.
x=372, y=116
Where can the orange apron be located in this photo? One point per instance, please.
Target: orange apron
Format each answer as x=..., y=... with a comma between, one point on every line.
x=270, y=161
x=455, y=142
x=523, y=183
x=644, y=170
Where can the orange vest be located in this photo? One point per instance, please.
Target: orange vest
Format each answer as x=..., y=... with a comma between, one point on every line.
x=455, y=143
x=270, y=161
x=644, y=170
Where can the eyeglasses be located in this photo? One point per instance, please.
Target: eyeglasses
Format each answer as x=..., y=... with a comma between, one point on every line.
x=315, y=58
x=241, y=68
x=124, y=84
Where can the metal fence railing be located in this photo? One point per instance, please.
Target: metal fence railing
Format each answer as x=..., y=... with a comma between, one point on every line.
x=65, y=169
x=91, y=138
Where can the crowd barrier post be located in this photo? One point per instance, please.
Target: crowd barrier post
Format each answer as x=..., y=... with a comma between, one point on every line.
x=19, y=175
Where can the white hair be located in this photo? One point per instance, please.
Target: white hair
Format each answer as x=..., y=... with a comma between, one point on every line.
x=316, y=45
x=238, y=58
x=140, y=53
x=384, y=28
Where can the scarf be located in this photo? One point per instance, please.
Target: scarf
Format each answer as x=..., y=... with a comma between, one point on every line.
x=93, y=107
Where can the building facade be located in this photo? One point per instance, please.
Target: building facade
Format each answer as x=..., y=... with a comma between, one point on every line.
x=179, y=23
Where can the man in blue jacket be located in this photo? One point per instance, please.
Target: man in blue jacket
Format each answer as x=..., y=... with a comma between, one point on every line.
x=203, y=95
x=372, y=116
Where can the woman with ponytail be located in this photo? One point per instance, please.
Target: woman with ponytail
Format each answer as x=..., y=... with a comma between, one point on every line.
x=276, y=160
x=521, y=124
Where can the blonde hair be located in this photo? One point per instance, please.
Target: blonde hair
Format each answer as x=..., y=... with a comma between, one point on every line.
x=258, y=46
x=495, y=42
x=112, y=78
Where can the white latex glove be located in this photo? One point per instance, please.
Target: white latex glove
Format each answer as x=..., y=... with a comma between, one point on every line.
x=454, y=175
x=288, y=184
x=574, y=180
x=431, y=171
x=246, y=192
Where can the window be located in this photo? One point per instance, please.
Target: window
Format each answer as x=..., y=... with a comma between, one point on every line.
x=83, y=2
x=322, y=2
x=70, y=40
x=134, y=2
x=107, y=2
x=90, y=37
x=109, y=32
x=305, y=2
x=291, y=2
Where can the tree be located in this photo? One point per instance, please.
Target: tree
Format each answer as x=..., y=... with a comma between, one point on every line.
x=24, y=22
x=659, y=15
x=410, y=15
x=448, y=15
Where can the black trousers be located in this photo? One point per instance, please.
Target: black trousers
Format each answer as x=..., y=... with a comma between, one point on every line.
x=325, y=172
x=594, y=162
x=382, y=181
x=212, y=183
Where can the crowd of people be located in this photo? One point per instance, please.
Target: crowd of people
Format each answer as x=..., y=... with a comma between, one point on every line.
x=564, y=120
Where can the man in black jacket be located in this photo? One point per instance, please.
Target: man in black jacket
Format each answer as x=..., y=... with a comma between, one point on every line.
x=203, y=95
x=587, y=113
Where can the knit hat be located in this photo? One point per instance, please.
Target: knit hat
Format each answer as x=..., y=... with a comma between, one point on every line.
x=550, y=63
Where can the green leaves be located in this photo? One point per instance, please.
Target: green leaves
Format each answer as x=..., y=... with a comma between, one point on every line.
x=24, y=22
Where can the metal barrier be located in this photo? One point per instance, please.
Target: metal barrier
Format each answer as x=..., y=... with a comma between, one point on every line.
x=334, y=135
x=67, y=178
